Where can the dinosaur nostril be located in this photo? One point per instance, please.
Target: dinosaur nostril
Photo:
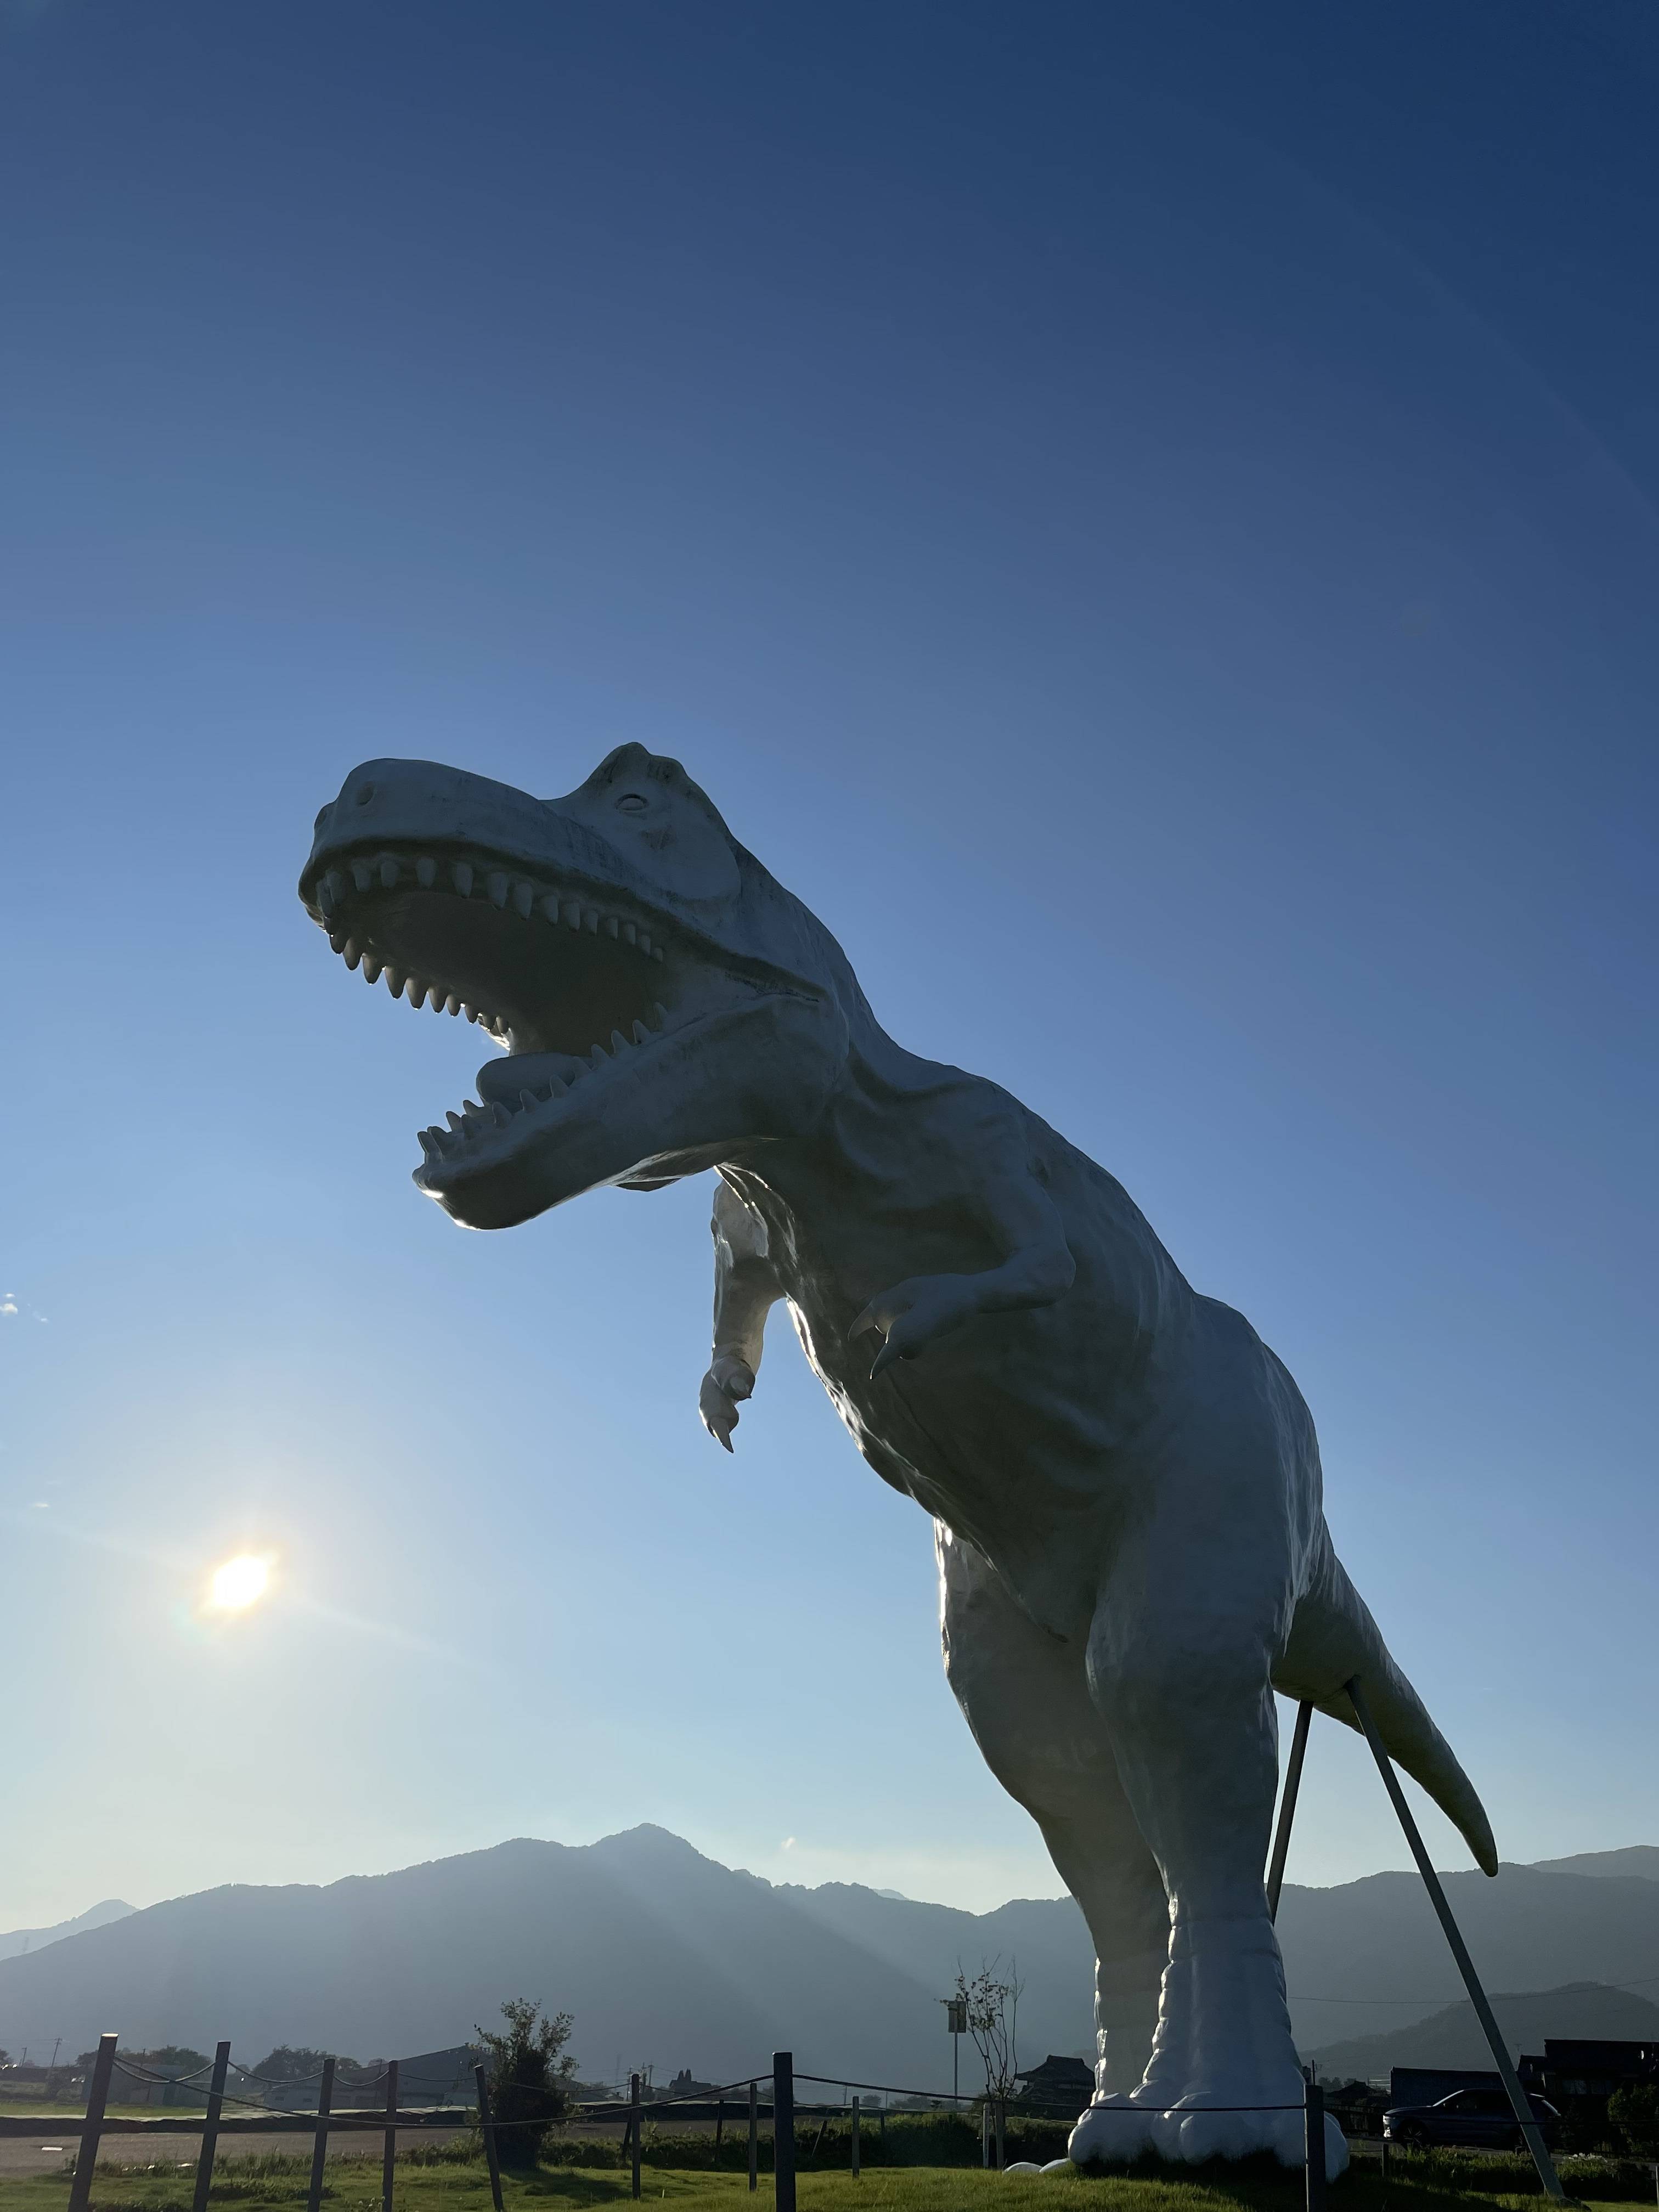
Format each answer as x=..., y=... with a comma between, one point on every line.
x=363, y=794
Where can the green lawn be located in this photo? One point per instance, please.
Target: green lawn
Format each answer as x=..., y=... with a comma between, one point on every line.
x=275, y=2183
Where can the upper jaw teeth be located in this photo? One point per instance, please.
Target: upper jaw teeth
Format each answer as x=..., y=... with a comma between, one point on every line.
x=529, y=897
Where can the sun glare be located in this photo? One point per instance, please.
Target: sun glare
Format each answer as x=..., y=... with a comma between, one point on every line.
x=239, y=1583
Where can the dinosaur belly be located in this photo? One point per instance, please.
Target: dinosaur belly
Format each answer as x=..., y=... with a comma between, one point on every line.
x=1037, y=1482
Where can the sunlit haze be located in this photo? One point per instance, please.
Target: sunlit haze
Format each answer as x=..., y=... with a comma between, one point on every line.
x=1145, y=518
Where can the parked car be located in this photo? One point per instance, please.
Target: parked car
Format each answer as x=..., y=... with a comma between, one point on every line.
x=1481, y=2119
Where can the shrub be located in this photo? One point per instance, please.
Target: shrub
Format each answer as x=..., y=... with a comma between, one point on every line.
x=530, y=2074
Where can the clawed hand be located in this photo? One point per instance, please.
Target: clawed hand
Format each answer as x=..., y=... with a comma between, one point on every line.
x=727, y=1381
x=913, y=1314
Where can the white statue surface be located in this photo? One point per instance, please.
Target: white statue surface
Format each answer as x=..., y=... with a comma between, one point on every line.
x=1124, y=1480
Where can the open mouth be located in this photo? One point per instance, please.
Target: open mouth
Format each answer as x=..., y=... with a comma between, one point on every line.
x=575, y=983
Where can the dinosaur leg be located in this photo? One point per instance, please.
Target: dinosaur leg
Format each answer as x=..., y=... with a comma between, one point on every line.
x=1026, y=1698
x=1179, y=1659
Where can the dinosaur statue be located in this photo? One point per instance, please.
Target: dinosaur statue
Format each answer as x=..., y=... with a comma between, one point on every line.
x=1124, y=1480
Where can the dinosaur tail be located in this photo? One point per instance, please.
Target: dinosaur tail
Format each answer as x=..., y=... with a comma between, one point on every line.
x=1333, y=1638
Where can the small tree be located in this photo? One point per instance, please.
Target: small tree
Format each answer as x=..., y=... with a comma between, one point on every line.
x=1634, y=2111
x=176, y=2056
x=530, y=2077
x=295, y=2063
x=992, y=2015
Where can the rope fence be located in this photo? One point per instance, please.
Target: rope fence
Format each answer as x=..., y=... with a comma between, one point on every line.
x=780, y=2107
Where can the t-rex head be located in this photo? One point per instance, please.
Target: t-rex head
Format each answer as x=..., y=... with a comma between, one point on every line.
x=665, y=1004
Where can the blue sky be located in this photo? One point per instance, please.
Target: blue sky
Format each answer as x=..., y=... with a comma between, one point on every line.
x=1144, y=520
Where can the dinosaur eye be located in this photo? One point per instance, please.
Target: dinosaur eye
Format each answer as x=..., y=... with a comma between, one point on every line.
x=631, y=802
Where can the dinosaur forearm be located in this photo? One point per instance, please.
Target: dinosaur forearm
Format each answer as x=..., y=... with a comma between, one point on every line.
x=743, y=1299
x=745, y=1290
x=1036, y=1275
x=1039, y=1269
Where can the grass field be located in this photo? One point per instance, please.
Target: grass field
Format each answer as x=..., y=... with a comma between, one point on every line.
x=278, y=2183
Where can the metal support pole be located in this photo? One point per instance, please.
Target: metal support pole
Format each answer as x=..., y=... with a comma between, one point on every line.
x=1531, y=2134
x=633, y=2124
x=388, y=2142
x=1287, y=1806
x=320, y=2147
x=1313, y=2100
x=97, y=2096
x=985, y=2133
x=487, y=2130
x=753, y=2135
x=855, y=2138
x=783, y=2130
x=719, y=2126
x=210, y=2128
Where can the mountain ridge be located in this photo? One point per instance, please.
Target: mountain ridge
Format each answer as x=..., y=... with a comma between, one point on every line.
x=666, y=1957
x=1455, y=2037
x=15, y=1942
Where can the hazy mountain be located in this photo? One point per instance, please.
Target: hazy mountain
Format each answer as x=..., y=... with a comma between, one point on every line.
x=661, y=1954
x=19, y=1939
x=1370, y=1957
x=1453, y=2038
x=1635, y=1858
x=666, y=1957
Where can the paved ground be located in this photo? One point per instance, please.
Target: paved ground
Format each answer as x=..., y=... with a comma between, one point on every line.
x=47, y=2152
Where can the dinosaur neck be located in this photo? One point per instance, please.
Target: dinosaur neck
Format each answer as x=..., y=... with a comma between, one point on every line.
x=881, y=1143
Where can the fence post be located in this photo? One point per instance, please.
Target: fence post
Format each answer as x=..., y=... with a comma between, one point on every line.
x=985, y=2133
x=719, y=2126
x=487, y=2130
x=389, y=2146
x=320, y=2147
x=753, y=2135
x=855, y=2138
x=210, y=2127
x=783, y=2130
x=1525, y=2117
x=633, y=2124
x=97, y=2096
x=1313, y=2105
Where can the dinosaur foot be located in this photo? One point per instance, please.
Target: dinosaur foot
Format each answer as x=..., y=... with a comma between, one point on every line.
x=1118, y=2130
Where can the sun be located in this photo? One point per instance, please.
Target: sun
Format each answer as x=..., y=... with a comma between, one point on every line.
x=239, y=1583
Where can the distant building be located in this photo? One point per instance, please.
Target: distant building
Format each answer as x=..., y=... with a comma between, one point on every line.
x=684, y=2085
x=153, y=2083
x=1578, y=2073
x=1427, y=2085
x=1067, y=2084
